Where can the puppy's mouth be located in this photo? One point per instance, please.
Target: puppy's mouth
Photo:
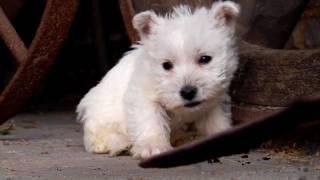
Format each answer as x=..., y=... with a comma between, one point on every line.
x=192, y=104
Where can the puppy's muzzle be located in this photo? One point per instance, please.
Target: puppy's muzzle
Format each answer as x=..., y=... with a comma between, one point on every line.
x=188, y=92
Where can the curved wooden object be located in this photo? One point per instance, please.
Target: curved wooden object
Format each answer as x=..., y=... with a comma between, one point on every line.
x=272, y=77
x=269, y=79
x=34, y=63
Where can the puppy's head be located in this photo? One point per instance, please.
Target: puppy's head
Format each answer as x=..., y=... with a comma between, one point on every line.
x=191, y=53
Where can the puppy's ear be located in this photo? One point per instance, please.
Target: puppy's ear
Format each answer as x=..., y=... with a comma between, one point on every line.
x=144, y=22
x=225, y=13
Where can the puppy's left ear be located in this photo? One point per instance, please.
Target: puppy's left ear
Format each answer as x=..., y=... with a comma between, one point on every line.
x=144, y=23
x=225, y=13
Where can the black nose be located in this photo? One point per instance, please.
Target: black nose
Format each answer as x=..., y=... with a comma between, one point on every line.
x=188, y=92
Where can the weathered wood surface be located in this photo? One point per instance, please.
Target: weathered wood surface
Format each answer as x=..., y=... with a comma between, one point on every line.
x=306, y=33
x=271, y=77
x=243, y=113
x=273, y=22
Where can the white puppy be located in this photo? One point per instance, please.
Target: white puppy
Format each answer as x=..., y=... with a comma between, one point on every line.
x=178, y=73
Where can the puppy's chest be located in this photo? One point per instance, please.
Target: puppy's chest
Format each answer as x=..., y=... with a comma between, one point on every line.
x=183, y=127
x=184, y=120
x=186, y=116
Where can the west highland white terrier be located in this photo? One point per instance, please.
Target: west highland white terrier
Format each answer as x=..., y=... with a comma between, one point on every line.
x=178, y=73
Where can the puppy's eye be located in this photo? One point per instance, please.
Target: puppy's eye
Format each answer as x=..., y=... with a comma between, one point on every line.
x=167, y=65
x=204, y=59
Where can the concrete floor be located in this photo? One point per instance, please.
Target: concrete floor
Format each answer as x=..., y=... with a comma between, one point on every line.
x=49, y=146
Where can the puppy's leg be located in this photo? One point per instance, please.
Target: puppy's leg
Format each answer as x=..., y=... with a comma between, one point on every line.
x=104, y=138
x=103, y=124
x=219, y=119
x=148, y=129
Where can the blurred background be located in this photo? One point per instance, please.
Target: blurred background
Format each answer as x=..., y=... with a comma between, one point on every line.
x=101, y=33
x=96, y=41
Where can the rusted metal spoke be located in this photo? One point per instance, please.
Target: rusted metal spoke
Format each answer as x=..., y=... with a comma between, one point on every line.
x=12, y=39
x=128, y=12
x=48, y=40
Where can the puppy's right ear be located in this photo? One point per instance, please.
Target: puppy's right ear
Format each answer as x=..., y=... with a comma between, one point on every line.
x=144, y=23
x=225, y=12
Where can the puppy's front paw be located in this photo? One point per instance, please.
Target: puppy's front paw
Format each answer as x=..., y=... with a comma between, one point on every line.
x=105, y=141
x=146, y=151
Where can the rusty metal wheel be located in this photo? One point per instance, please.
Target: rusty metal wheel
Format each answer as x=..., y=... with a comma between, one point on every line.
x=34, y=62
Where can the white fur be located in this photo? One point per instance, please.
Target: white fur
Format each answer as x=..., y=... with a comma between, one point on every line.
x=137, y=105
